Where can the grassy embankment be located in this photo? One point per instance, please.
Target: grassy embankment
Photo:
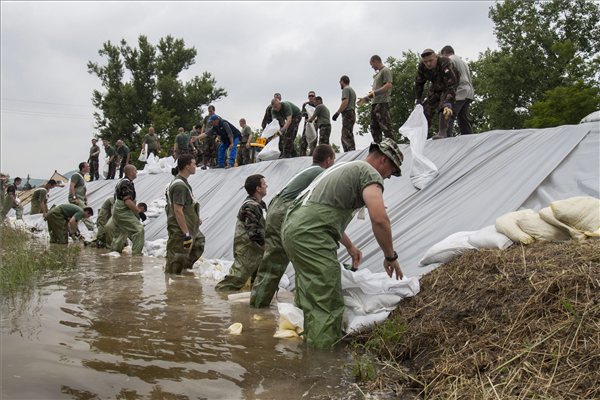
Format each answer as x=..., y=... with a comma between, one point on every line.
x=22, y=259
x=523, y=323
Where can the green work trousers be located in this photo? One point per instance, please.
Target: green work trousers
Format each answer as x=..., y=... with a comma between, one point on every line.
x=106, y=232
x=179, y=258
x=246, y=259
x=126, y=225
x=57, y=226
x=274, y=261
x=313, y=253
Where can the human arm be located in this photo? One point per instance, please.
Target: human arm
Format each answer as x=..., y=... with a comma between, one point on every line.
x=353, y=251
x=382, y=229
x=72, y=226
x=251, y=216
x=229, y=133
x=341, y=108
x=180, y=218
x=420, y=81
x=72, y=194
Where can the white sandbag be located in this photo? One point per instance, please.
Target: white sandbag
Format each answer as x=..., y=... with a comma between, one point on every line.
x=445, y=250
x=539, y=229
x=489, y=238
x=582, y=213
x=310, y=110
x=422, y=169
x=105, y=168
x=153, y=165
x=144, y=153
x=291, y=321
x=270, y=151
x=547, y=215
x=507, y=224
x=355, y=323
x=270, y=129
x=311, y=133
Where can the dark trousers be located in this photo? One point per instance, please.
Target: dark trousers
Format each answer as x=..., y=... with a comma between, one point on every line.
x=122, y=167
x=461, y=113
x=286, y=143
x=348, y=121
x=112, y=169
x=381, y=122
x=431, y=106
x=94, y=173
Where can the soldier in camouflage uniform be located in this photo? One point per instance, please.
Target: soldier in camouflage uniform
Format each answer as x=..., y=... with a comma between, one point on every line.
x=186, y=243
x=381, y=122
x=245, y=140
x=268, y=117
x=111, y=154
x=183, y=144
x=207, y=145
x=303, y=142
x=291, y=115
x=323, y=122
x=39, y=198
x=126, y=215
x=275, y=261
x=93, y=161
x=444, y=80
x=124, y=156
x=249, y=240
x=347, y=109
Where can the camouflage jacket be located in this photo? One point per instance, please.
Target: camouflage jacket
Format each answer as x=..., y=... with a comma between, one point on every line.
x=125, y=190
x=252, y=215
x=444, y=80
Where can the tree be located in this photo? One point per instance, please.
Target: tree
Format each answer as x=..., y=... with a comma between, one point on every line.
x=141, y=87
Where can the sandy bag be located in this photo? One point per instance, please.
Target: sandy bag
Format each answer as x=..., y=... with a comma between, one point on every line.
x=270, y=151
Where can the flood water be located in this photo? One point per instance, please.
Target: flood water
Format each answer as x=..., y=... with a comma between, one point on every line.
x=116, y=328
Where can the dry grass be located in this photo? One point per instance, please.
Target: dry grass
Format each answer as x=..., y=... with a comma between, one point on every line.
x=516, y=324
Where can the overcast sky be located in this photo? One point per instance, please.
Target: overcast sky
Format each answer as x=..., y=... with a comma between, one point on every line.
x=253, y=49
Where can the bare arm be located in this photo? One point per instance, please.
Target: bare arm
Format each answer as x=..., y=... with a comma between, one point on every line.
x=343, y=105
x=72, y=189
x=178, y=209
x=354, y=252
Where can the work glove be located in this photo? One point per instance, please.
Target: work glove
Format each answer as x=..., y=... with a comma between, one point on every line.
x=142, y=216
x=335, y=116
x=187, y=241
x=447, y=111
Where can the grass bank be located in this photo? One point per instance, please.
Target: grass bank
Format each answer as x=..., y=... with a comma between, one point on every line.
x=516, y=324
x=22, y=258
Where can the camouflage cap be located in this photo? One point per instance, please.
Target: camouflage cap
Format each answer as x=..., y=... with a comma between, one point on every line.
x=390, y=149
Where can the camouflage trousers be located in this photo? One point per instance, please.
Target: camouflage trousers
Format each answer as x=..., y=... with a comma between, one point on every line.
x=381, y=122
x=431, y=106
x=348, y=121
x=94, y=170
x=243, y=156
x=324, y=133
x=304, y=143
x=286, y=144
x=209, y=152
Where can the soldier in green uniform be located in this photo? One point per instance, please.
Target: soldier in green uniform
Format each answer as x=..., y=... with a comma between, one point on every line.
x=303, y=142
x=152, y=141
x=381, y=122
x=249, y=239
x=245, y=140
x=186, y=243
x=291, y=116
x=77, y=188
x=275, y=261
x=93, y=160
x=39, y=198
x=11, y=200
x=322, y=118
x=62, y=221
x=315, y=226
x=347, y=109
x=126, y=215
x=183, y=144
x=124, y=156
x=111, y=156
x=207, y=145
x=268, y=117
x=104, y=235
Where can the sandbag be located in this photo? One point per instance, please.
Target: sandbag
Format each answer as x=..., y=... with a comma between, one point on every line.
x=144, y=153
x=539, y=229
x=445, y=250
x=270, y=151
x=270, y=129
x=291, y=321
x=311, y=133
x=582, y=213
x=489, y=238
x=547, y=215
x=153, y=165
x=422, y=169
x=507, y=225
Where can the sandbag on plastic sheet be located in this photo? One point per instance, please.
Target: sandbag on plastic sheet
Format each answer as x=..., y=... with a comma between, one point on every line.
x=152, y=165
x=143, y=154
x=270, y=151
x=489, y=238
x=540, y=230
x=582, y=213
x=507, y=224
x=270, y=129
x=547, y=215
x=445, y=250
x=422, y=169
x=166, y=164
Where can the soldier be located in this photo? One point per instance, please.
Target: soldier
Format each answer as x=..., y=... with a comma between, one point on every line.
x=77, y=188
x=182, y=143
x=152, y=141
x=93, y=160
x=321, y=116
x=291, y=116
x=11, y=201
x=304, y=145
x=464, y=94
x=442, y=91
x=347, y=109
x=186, y=243
x=275, y=261
x=245, y=140
x=208, y=143
x=381, y=122
x=314, y=228
x=104, y=235
x=62, y=221
x=268, y=117
x=126, y=215
x=229, y=136
x=39, y=199
x=111, y=155
x=249, y=239
x=124, y=155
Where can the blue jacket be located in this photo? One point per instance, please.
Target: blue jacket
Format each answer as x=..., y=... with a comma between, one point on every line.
x=223, y=129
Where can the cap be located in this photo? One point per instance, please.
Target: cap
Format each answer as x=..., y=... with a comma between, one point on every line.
x=427, y=52
x=390, y=149
x=213, y=117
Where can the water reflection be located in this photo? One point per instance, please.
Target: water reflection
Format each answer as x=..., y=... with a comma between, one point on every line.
x=118, y=328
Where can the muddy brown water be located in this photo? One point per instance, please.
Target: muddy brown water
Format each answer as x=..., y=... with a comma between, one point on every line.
x=117, y=328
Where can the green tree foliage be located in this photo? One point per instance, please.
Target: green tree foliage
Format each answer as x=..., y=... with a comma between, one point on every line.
x=542, y=46
x=141, y=87
x=564, y=105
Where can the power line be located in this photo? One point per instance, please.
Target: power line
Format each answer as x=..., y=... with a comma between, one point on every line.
x=47, y=114
x=45, y=102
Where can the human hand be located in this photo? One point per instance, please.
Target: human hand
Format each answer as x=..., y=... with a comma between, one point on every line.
x=187, y=241
x=447, y=112
x=335, y=116
x=362, y=101
x=391, y=266
x=356, y=255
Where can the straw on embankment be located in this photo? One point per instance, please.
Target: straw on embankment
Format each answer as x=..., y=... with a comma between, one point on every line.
x=516, y=324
